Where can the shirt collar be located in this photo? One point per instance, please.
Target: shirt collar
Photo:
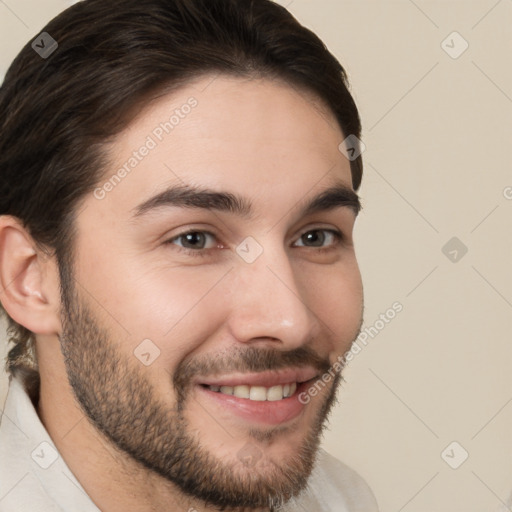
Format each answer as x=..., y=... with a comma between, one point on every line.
x=29, y=459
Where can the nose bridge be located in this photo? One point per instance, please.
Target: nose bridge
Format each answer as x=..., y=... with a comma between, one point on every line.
x=269, y=301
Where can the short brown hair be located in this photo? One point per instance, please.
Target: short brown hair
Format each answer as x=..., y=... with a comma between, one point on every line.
x=113, y=56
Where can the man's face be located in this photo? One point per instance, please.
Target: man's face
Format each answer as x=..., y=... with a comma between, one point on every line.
x=194, y=320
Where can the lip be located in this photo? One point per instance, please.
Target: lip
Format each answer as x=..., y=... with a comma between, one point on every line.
x=266, y=379
x=269, y=413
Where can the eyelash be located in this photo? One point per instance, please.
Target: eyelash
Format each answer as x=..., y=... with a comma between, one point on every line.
x=338, y=235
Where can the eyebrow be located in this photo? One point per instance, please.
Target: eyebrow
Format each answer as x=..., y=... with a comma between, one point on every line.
x=186, y=196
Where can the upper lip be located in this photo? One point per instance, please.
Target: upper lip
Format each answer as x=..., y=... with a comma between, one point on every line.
x=265, y=379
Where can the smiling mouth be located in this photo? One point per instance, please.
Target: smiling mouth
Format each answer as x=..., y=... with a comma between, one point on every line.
x=257, y=393
x=266, y=398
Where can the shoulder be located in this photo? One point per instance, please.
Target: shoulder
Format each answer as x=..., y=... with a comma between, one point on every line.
x=333, y=486
x=337, y=477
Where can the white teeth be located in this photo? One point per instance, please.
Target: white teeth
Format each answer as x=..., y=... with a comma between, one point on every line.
x=241, y=391
x=275, y=393
x=258, y=393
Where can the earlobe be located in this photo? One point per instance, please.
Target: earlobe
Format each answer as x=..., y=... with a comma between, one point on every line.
x=28, y=280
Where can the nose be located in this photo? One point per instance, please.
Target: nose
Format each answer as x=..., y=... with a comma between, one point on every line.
x=270, y=303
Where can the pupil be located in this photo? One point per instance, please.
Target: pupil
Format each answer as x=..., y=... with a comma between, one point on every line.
x=194, y=239
x=315, y=238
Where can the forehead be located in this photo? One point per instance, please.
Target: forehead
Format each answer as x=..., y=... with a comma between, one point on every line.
x=259, y=137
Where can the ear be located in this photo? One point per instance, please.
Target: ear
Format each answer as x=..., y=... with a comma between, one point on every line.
x=29, y=280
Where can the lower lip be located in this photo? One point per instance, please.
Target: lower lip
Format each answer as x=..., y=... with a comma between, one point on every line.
x=263, y=412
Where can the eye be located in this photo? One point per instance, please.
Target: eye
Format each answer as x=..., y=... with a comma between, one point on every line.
x=194, y=240
x=323, y=238
x=199, y=242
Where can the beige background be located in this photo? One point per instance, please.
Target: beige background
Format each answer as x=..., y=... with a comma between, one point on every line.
x=438, y=132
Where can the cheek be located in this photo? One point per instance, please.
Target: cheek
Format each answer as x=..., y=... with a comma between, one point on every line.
x=337, y=298
x=142, y=296
x=175, y=308
x=178, y=298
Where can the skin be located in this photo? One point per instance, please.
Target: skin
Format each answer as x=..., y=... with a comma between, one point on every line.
x=133, y=280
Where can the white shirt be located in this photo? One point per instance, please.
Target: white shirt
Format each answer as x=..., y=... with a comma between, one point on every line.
x=35, y=478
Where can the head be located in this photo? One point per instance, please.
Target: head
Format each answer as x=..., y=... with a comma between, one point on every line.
x=176, y=235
